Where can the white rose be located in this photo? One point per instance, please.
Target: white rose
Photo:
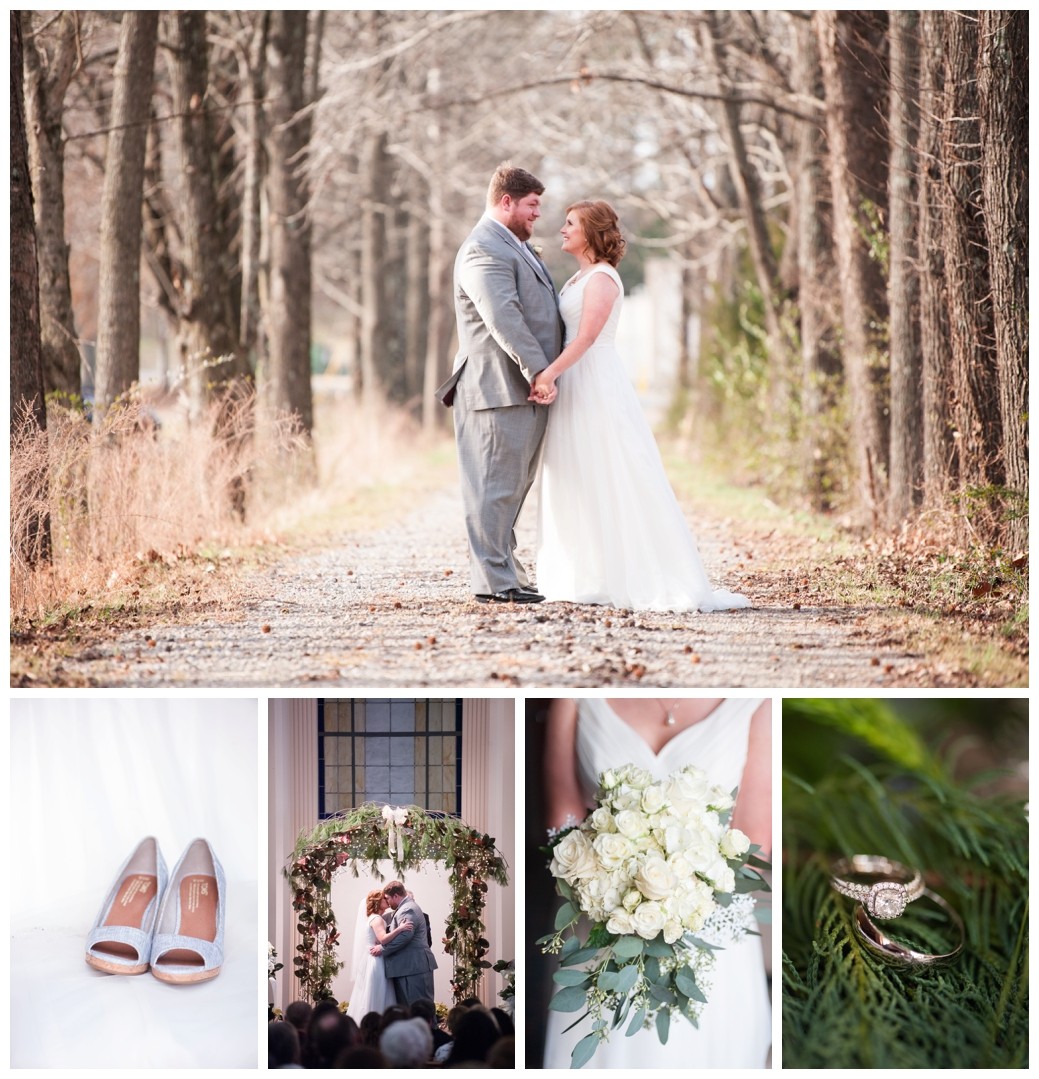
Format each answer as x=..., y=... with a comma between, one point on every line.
x=635, y=777
x=625, y=798
x=655, y=879
x=719, y=799
x=648, y=920
x=677, y=839
x=602, y=820
x=573, y=857
x=734, y=843
x=720, y=875
x=631, y=824
x=689, y=786
x=672, y=930
x=680, y=866
x=654, y=798
x=620, y=923
x=632, y=899
x=608, y=780
x=613, y=850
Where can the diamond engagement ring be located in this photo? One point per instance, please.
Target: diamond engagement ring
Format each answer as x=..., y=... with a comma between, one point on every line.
x=886, y=898
x=901, y=954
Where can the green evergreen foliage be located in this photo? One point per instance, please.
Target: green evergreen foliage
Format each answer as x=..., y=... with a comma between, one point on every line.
x=842, y=1006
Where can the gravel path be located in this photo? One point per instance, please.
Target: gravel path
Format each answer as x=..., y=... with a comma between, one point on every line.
x=392, y=609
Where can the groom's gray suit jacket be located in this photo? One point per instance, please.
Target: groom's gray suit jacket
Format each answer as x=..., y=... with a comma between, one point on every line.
x=508, y=320
x=409, y=953
x=509, y=329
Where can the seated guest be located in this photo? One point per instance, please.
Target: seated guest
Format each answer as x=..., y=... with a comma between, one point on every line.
x=371, y=1028
x=282, y=1046
x=441, y=1054
x=504, y=1022
x=427, y=1011
x=361, y=1058
x=408, y=1043
x=298, y=1014
x=475, y=1034
x=503, y=1054
x=327, y=1036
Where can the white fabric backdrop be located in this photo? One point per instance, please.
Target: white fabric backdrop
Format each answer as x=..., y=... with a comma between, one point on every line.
x=89, y=778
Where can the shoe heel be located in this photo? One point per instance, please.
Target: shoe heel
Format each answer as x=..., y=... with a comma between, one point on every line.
x=120, y=941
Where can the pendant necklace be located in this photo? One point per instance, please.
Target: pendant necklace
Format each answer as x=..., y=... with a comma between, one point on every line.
x=669, y=713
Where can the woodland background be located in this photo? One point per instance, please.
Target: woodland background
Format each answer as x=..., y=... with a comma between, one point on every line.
x=262, y=209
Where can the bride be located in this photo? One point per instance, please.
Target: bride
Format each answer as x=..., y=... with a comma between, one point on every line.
x=730, y=740
x=373, y=991
x=609, y=529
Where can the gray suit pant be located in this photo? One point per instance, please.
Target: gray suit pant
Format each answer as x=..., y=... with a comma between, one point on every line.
x=411, y=987
x=498, y=451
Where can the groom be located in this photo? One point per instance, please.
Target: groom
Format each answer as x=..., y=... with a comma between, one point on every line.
x=508, y=330
x=408, y=959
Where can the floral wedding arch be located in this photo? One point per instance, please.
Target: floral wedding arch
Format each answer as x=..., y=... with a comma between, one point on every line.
x=407, y=836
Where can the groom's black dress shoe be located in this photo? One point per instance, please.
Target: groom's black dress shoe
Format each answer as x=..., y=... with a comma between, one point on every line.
x=511, y=595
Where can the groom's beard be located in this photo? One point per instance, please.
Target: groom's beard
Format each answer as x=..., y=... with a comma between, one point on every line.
x=521, y=229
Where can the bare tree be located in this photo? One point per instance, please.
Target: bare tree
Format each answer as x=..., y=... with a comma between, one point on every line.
x=965, y=242
x=1003, y=101
x=287, y=138
x=940, y=460
x=903, y=281
x=853, y=77
x=51, y=59
x=118, y=337
x=207, y=324
x=28, y=408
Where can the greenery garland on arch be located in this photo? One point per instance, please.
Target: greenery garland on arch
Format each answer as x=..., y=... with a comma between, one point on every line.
x=407, y=836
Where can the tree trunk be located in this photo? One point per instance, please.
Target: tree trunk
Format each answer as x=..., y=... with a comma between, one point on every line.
x=903, y=280
x=119, y=297
x=47, y=77
x=967, y=291
x=940, y=463
x=374, y=169
x=438, y=283
x=252, y=185
x=1003, y=94
x=820, y=366
x=853, y=77
x=206, y=314
x=416, y=301
x=289, y=302
x=30, y=538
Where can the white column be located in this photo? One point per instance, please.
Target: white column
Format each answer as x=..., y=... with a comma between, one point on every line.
x=291, y=808
x=488, y=800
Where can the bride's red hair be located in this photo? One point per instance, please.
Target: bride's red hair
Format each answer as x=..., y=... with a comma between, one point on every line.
x=374, y=901
x=601, y=229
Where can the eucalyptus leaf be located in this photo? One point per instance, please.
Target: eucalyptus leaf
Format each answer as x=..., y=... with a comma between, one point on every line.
x=663, y=1025
x=686, y=984
x=628, y=947
x=660, y=948
x=636, y=1023
x=566, y=914
x=581, y=955
x=584, y=1050
x=571, y=977
x=627, y=978
x=570, y=999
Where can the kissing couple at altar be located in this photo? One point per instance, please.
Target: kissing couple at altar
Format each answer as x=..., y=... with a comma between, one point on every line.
x=393, y=959
x=539, y=389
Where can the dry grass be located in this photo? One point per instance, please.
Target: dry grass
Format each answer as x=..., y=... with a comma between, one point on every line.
x=144, y=491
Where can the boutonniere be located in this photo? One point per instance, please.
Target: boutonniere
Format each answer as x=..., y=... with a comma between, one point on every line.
x=537, y=249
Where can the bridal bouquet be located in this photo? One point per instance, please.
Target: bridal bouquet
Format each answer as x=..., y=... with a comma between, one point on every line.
x=661, y=876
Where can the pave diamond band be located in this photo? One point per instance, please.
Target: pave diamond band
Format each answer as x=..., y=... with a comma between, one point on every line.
x=885, y=898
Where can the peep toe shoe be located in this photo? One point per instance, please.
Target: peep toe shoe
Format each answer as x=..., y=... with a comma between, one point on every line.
x=121, y=940
x=188, y=945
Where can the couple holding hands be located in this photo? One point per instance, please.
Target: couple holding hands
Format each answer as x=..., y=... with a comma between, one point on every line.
x=538, y=386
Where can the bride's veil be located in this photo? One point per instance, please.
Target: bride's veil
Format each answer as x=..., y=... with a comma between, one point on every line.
x=360, y=952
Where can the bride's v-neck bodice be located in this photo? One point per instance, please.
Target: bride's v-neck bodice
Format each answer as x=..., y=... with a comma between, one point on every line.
x=717, y=744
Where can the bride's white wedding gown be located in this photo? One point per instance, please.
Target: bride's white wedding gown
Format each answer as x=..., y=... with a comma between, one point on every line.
x=372, y=991
x=735, y=1027
x=610, y=529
